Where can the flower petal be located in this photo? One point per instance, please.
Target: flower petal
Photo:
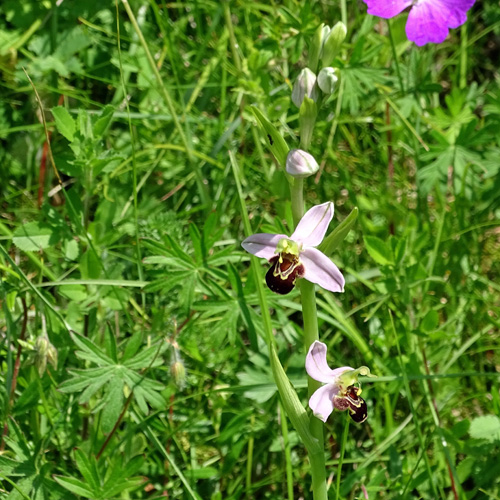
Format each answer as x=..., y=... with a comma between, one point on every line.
x=262, y=244
x=429, y=21
x=386, y=8
x=321, y=401
x=312, y=227
x=317, y=365
x=321, y=270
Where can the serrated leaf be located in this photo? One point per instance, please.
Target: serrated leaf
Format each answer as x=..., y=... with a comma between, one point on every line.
x=88, y=468
x=87, y=346
x=35, y=236
x=379, y=250
x=64, y=123
x=113, y=405
x=485, y=427
x=75, y=486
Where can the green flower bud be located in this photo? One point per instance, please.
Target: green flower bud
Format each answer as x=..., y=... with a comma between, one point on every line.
x=307, y=118
x=305, y=85
x=301, y=164
x=317, y=42
x=327, y=79
x=333, y=43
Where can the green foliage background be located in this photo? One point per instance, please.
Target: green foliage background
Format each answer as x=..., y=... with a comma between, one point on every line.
x=134, y=275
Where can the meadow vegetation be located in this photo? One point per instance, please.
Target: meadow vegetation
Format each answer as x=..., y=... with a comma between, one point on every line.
x=133, y=355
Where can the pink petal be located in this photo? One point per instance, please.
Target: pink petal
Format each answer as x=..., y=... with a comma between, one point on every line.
x=321, y=401
x=456, y=11
x=317, y=365
x=312, y=227
x=429, y=20
x=386, y=8
x=321, y=270
x=262, y=244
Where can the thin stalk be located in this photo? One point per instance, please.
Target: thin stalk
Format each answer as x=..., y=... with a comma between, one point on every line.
x=463, y=56
x=288, y=454
x=341, y=459
x=395, y=56
x=297, y=196
x=250, y=460
x=134, y=162
x=343, y=11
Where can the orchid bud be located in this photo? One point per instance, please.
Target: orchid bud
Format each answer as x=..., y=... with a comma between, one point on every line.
x=301, y=164
x=317, y=42
x=327, y=79
x=333, y=43
x=307, y=118
x=305, y=85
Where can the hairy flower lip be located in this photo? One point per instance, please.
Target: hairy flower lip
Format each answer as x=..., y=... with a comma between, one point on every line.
x=335, y=394
x=316, y=266
x=428, y=21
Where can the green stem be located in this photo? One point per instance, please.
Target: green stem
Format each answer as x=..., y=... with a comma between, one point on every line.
x=310, y=319
x=395, y=56
x=341, y=459
x=318, y=473
x=297, y=190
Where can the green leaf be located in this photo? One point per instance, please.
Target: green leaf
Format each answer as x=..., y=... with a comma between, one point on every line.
x=88, y=468
x=35, y=236
x=75, y=486
x=485, y=427
x=103, y=122
x=94, y=353
x=337, y=236
x=430, y=321
x=64, y=123
x=274, y=140
x=113, y=405
x=379, y=250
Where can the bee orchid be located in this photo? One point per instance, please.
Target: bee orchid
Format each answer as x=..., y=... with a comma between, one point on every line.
x=296, y=256
x=341, y=390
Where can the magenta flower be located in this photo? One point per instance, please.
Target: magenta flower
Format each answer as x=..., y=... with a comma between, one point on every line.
x=295, y=256
x=428, y=20
x=342, y=388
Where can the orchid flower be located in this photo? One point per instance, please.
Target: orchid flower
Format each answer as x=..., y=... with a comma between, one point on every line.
x=296, y=256
x=428, y=20
x=342, y=388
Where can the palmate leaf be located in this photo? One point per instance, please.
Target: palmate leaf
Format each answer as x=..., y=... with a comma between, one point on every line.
x=112, y=377
x=102, y=481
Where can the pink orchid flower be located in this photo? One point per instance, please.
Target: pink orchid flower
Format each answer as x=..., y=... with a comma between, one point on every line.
x=342, y=388
x=296, y=256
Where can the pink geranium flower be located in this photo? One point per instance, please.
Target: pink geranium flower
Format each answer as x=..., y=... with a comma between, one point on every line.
x=428, y=20
x=295, y=256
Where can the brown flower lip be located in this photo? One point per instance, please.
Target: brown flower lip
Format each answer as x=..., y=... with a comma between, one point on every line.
x=352, y=402
x=282, y=276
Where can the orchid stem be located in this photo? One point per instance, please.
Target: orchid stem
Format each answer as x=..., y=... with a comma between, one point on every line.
x=310, y=319
x=297, y=190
